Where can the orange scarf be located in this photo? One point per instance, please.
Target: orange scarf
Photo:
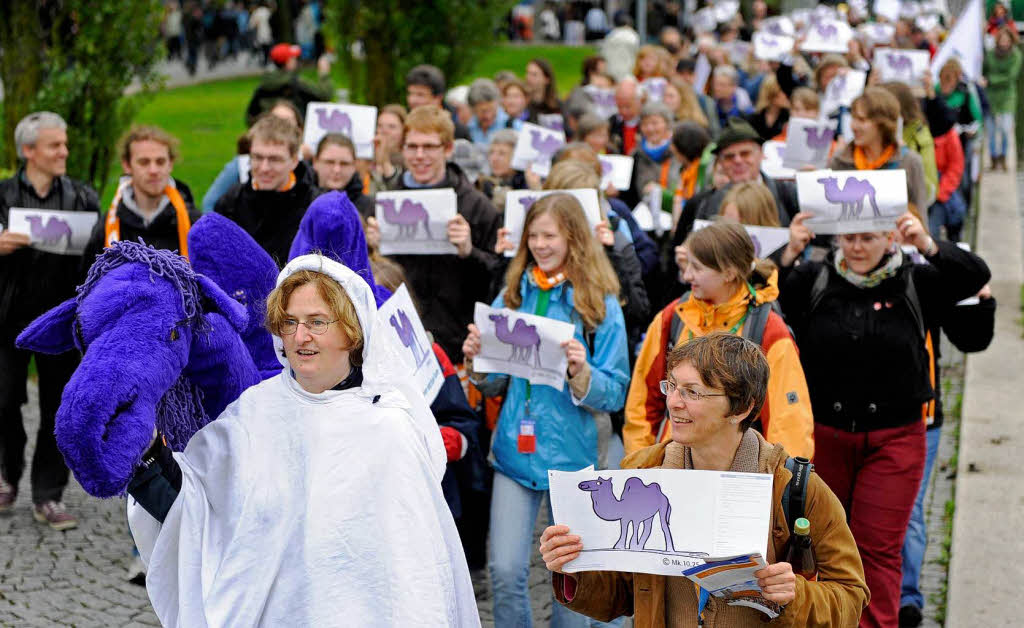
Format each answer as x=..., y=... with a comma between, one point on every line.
x=544, y=282
x=688, y=180
x=860, y=160
x=112, y=228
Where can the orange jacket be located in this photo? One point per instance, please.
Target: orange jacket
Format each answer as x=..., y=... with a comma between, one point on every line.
x=786, y=417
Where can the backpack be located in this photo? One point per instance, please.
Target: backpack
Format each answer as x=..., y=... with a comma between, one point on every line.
x=820, y=286
x=753, y=328
x=794, y=496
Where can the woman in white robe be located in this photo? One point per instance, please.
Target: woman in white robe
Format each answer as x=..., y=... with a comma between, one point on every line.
x=315, y=498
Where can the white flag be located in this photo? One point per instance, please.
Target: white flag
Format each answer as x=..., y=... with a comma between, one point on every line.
x=964, y=43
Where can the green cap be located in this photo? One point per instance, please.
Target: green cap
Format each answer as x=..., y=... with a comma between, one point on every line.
x=802, y=526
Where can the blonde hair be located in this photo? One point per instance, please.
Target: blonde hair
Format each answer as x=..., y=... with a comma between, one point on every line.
x=150, y=133
x=274, y=130
x=689, y=107
x=755, y=203
x=769, y=90
x=586, y=266
x=340, y=306
x=806, y=98
x=726, y=246
x=576, y=169
x=431, y=119
x=662, y=67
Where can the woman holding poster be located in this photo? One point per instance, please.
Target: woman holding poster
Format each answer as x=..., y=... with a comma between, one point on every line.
x=861, y=318
x=559, y=272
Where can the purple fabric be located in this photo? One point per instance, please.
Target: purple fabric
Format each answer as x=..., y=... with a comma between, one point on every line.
x=161, y=348
x=332, y=226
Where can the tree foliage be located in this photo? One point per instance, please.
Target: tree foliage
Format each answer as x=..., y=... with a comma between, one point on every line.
x=396, y=35
x=87, y=52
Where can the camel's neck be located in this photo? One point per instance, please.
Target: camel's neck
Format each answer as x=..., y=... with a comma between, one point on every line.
x=606, y=505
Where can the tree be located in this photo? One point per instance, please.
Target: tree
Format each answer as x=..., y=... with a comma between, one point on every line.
x=21, y=59
x=395, y=35
x=88, y=52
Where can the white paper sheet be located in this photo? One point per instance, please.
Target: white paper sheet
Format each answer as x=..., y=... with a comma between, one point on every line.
x=772, y=164
x=616, y=170
x=405, y=331
x=769, y=47
x=357, y=122
x=654, y=87
x=766, y=240
x=416, y=221
x=53, y=231
x=706, y=513
x=535, y=148
x=780, y=26
x=523, y=345
x=842, y=89
x=604, y=100
x=808, y=143
x=905, y=66
x=852, y=201
x=827, y=36
x=518, y=201
x=877, y=32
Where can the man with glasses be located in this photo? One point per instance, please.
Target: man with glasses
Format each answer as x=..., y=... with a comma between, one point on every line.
x=31, y=282
x=271, y=204
x=447, y=286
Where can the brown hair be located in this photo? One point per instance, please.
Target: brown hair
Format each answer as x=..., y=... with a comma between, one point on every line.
x=829, y=60
x=724, y=246
x=549, y=99
x=586, y=266
x=337, y=139
x=910, y=108
x=151, y=133
x=515, y=83
x=769, y=90
x=730, y=363
x=398, y=111
x=689, y=107
x=431, y=119
x=662, y=67
x=881, y=107
x=578, y=152
x=333, y=295
x=273, y=130
x=806, y=98
x=755, y=203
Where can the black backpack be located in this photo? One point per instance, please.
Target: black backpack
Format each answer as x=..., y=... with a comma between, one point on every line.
x=794, y=497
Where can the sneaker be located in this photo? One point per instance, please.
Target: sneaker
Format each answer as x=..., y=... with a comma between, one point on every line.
x=137, y=572
x=8, y=492
x=53, y=513
x=910, y=616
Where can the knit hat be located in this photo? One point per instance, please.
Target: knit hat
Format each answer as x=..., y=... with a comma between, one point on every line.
x=736, y=130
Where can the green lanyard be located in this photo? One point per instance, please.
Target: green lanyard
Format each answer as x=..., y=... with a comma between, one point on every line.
x=541, y=309
x=735, y=328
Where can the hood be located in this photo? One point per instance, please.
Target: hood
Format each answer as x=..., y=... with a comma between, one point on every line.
x=332, y=226
x=701, y=316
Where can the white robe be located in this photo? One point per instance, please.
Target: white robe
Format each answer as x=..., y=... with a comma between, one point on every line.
x=301, y=509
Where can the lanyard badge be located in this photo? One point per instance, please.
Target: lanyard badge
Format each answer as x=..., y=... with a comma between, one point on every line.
x=527, y=441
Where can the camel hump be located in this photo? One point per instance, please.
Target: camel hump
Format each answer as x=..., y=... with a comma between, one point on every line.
x=636, y=484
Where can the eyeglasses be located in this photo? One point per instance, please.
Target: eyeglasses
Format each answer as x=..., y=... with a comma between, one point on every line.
x=273, y=160
x=690, y=394
x=426, y=148
x=315, y=326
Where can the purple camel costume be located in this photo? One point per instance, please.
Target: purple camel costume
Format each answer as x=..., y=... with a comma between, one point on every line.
x=161, y=347
x=332, y=226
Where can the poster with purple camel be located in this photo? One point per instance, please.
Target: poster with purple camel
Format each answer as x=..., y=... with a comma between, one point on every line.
x=535, y=148
x=808, y=143
x=357, y=122
x=771, y=47
x=905, y=66
x=852, y=201
x=415, y=222
x=660, y=521
x=403, y=330
x=53, y=231
x=842, y=89
x=827, y=35
x=522, y=345
x=518, y=201
x=766, y=240
x=616, y=170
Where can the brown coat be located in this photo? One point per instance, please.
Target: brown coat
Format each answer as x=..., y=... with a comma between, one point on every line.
x=837, y=599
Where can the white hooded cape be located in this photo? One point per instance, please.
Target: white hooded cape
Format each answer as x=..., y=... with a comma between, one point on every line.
x=302, y=509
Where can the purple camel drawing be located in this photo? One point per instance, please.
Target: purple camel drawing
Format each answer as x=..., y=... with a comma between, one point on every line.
x=638, y=505
x=899, y=62
x=55, y=229
x=771, y=42
x=837, y=86
x=757, y=245
x=545, y=145
x=404, y=329
x=819, y=138
x=606, y=167
x=526, y=201
x=851, y=196
x=524, y=339
x=826, y=31
x=776, y=29
x=335, y=122
x=160, y=346
x=407, y=217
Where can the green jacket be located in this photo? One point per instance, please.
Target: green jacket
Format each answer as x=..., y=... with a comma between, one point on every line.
x=918, y=138
x=1002, y=72
x=958, y=98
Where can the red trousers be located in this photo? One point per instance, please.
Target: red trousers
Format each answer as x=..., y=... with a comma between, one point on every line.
x=876, y=476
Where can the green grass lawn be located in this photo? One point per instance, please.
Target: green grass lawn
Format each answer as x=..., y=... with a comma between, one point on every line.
x=209, y=118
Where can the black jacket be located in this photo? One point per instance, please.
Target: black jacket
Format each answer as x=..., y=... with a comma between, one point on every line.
x=272, y=218
x=447, y=286
x=861, y=348
x=162, y=233
x=32, y=282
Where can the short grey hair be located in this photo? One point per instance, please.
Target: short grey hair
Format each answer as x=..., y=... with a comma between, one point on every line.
x=505, y=136
x=482, y=90
x=726, y=71
x=656, y=108
x=27, y=131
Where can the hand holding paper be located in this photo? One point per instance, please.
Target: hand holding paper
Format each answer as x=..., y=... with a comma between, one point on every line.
x=460, y=234
x=11, y=241
x=558, y=547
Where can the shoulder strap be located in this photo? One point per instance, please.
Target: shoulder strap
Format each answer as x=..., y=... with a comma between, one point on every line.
x=676, y=327
x=818, y=288
x=757, y=320
x=794, y=497
x=910, y=292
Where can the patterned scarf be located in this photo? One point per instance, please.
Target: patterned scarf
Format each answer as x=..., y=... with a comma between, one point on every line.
x=888, y=268
x=543, y=281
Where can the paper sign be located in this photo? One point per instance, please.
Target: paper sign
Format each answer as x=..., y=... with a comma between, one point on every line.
x=769, y=47
x=416, y=221
x=704, y=20
x=603, y=99
x=404, y=330
x=244, y=168
x=801, y=18
x=701, y=73
x=808, y=143
x=898, y=64
x=357, y=122
x=827, y=36
x=824, y=13
x=725, y=10
x=535, y=148
x=690, y=515
x=553, y=121
x=522, y=345
x=910, y=9
x=964, y=43
x=53, y=231
x=842, y=90
x=654, y=87
x=766, y=240
x=852, y=201
x=877, y=32
x=780, y=26
x=739, y=51
x=616, y=170
x=927, y=22
x=518, y=201
x=773, y=151
x=889, y=9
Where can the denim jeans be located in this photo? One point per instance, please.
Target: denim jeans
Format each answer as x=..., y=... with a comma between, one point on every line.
x=916, y=541
x=514, y=511
x=949, y=214
x=1000, y=130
